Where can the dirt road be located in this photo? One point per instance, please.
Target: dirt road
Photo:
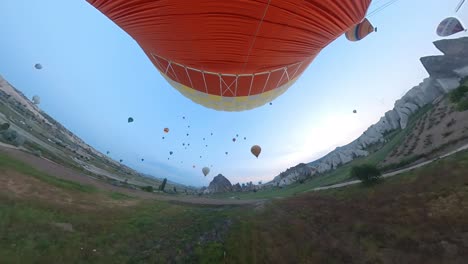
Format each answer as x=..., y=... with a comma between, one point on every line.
x=390, y=174
x=60, y=171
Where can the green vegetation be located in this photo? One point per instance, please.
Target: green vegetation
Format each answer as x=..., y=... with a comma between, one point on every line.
x=366, y=173
x=7, y=162
x=459, y=96
x=147, y=188
x=334, y=226
x=120, y=196
x=4, y=126
x=10, y=136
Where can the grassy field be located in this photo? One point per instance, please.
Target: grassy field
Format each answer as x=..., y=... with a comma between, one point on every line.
x=418, y=217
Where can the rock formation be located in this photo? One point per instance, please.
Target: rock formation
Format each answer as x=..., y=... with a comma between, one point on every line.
x=445, y=72
x=219, y=184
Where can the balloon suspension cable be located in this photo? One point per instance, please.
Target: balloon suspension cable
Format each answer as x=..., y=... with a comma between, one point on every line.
x=462, y=2
x=382, y=8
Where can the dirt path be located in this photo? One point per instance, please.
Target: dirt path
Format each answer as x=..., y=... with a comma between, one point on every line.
x=390, y=174
x=65, y=173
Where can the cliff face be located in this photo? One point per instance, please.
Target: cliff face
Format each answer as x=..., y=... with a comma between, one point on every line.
x=445, y=72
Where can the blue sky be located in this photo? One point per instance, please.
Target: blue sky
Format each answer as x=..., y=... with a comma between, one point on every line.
x=95, y=76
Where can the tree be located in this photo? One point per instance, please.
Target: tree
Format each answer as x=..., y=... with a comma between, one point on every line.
x=163, y=185
x=175, y=190
x=367, y=173
x=4, y=126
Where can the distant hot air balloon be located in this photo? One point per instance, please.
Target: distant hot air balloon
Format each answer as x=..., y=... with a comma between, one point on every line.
x=108, y=152
x=188, y=144
x=354, y=111
x=271, y=103
x=234, y=140
x=256, y=149
x=226, y=152
x=203, y=138
x=183, y=117
x=130, y=120
x=162, y=137
x=166, y=130
x=239, y=54
x=193, y=166
x=36, y=99
x=237, y=135
x=245, y=138
x=449, y=26
x=211, y=133
x=121, y=160
x=200, y=157
x=360, y=31
x=206, y=145
x=170, y=152
x=183, y=144
x=38, y=66
x=142, y=159
x=205, y=171
x=187, y=134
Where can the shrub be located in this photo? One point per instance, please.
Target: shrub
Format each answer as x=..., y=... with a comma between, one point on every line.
x=4, y=126
x=367, y=173
x=12, y=137
x=147, y=188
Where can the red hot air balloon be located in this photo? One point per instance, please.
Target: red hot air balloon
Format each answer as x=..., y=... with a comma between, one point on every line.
x=166, y=130
x=233, y=55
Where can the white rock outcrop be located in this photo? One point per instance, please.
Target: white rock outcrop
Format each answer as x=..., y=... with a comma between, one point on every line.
x=445, y=73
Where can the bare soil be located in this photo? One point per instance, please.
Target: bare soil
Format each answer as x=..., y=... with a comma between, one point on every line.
x=18, y=185
x=441, y=129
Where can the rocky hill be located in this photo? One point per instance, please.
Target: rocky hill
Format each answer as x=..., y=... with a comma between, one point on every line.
x=219, y=184
x=445, y=72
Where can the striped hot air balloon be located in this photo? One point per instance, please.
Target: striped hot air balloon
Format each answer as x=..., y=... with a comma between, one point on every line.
x=166, y=130
x=233, y=55
x=449, y=26
x=360, y=31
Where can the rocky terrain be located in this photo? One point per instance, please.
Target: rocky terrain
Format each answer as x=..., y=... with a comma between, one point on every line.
x=445, y=72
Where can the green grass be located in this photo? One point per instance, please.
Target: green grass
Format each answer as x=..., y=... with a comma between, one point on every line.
x=155, y=232
x=120, y=196
x=7, y=162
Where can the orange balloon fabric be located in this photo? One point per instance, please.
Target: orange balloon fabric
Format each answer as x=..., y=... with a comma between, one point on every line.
x=234, y=54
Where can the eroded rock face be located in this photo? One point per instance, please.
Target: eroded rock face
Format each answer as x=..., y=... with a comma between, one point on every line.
x=219, y=184
x=236, y=187
x=445, y=73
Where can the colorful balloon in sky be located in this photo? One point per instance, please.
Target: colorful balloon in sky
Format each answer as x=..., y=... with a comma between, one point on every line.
x=360, y=31
x=166, y=130
x=449, y=26
x=239, y=54
x=256, y=149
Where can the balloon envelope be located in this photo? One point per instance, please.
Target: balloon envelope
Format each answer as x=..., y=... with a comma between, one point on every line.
x=256, y=149
x=166, y=130
x=239, y=54
x=38, y=66
x=130, y=120
x=360, y=31
x=36, y=99
x=206, y=170
x=449, y=26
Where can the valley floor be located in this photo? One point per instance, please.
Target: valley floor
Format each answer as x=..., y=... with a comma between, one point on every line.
x=46, y=216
